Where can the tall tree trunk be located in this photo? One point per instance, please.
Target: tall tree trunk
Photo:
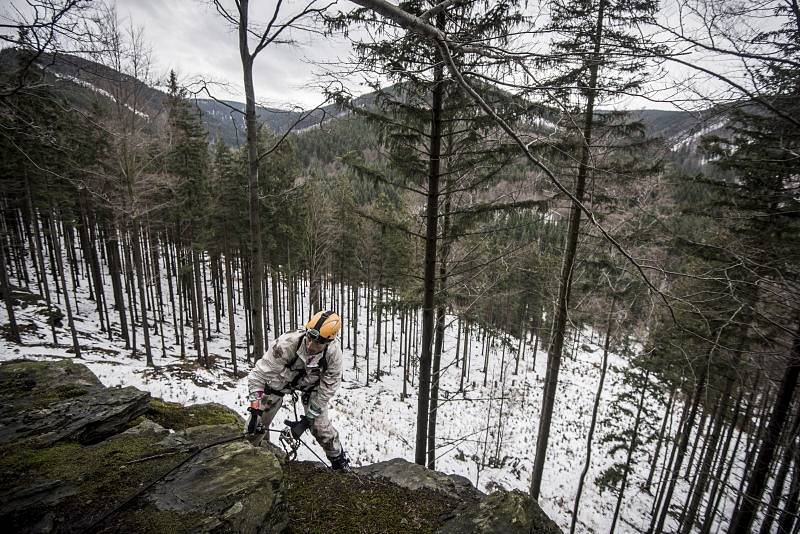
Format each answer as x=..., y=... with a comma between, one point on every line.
x=590, y=437
x=354, y=289
x=115, y=268
x=90, y=255
x=699, y=389
x=721, y=479
x=40, y=257
x=699, y=487
x=464, y=357
x=659, y=443
x=631, y=449
x=60, y=265
x=663, y=479
x=743, y=516
x=231, y=311
x=429, y=284
x=439, y=339
x=12, y=319
x=565, y=280
x=789, y=514
x=137, y=262
x=789, y=452
x=199, y=298
x=257, y=272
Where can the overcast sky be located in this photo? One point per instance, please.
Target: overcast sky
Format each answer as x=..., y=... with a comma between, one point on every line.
x=192, y=38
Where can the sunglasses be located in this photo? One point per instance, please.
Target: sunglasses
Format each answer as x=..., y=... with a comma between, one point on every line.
x=314, y=335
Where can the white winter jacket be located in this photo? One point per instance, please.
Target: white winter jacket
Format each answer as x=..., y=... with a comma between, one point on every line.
x=273, y=370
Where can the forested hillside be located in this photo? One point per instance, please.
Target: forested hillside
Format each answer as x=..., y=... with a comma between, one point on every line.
x=539, y=289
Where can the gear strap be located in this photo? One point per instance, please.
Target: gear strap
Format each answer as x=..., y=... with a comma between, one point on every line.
x=301, y=373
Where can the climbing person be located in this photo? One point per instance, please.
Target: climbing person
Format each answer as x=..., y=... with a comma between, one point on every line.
x=308, y=361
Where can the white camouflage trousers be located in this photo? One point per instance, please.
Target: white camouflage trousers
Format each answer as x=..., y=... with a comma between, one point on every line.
x=322, y=429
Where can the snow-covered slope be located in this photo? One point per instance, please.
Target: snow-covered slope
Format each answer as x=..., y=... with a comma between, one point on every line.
x=497, y=421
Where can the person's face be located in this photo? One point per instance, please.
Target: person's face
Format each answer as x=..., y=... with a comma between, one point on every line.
x=314, y=347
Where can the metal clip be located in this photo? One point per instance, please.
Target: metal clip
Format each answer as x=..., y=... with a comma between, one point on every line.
x=289, y=443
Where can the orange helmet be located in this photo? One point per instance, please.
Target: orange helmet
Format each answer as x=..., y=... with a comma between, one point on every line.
x=324, y=326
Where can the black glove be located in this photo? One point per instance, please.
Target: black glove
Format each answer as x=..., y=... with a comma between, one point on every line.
x=298, y=427
x=254, y=420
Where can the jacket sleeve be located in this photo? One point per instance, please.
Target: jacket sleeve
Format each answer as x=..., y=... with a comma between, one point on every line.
x=268, y=371
x=329, y=382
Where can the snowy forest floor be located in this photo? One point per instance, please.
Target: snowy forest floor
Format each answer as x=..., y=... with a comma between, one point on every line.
x=487, y=434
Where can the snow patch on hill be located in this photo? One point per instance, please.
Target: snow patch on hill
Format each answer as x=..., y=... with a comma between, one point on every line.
x=486, y=433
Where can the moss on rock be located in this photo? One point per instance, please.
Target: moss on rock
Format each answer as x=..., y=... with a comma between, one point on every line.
x=150, y=520
x=101, y=475
x=321, y=500
x=178, y=417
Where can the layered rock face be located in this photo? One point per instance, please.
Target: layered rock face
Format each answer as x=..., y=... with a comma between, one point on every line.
x=501, y=512
x=76, y=456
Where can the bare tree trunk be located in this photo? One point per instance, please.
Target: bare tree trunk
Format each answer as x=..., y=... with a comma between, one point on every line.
x=429, y=284
x=699, y=389
x=465, y=357
x=701, y=430
x=660, y=441
x=789, y=452
x=789, y=514
x=115, y=268
x=439, y=339
x=90, y=255
x=257, y=272
x=565, y=281
x=753, y=439
x=719, y=479
x=231, y=311
x=590, y=437
x=631, y=449
x=275, y=303
x=704, y=473
x=60, y=265
x=745, y=513
x=137, y=261
x=199, y=305
x=12, y=319
x=354, y=289
x=663, y=479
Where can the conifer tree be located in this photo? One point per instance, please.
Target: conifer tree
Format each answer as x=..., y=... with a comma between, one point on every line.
x=589, y=57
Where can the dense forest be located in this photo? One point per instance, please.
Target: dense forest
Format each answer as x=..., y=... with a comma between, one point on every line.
x=487, y=184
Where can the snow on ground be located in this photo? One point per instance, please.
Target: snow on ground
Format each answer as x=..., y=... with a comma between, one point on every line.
x=376, y=424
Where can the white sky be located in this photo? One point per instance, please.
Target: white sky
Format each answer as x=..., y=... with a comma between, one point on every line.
x=190, y=37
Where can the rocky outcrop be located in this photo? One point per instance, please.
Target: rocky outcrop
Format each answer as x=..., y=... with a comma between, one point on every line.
x=51, y=402
x=76, y=456
x=500, y=512
x=414, y=477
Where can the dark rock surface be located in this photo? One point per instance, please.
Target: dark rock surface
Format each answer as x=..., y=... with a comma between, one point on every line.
x=52, y=402
x=500, y=512
x=414, y=477
x=76, y=456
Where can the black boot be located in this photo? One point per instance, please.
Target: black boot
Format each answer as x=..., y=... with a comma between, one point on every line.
x=340, y=463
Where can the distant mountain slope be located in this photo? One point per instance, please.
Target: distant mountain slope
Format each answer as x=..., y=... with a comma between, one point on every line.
x=225, y=122
x=83, y=80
